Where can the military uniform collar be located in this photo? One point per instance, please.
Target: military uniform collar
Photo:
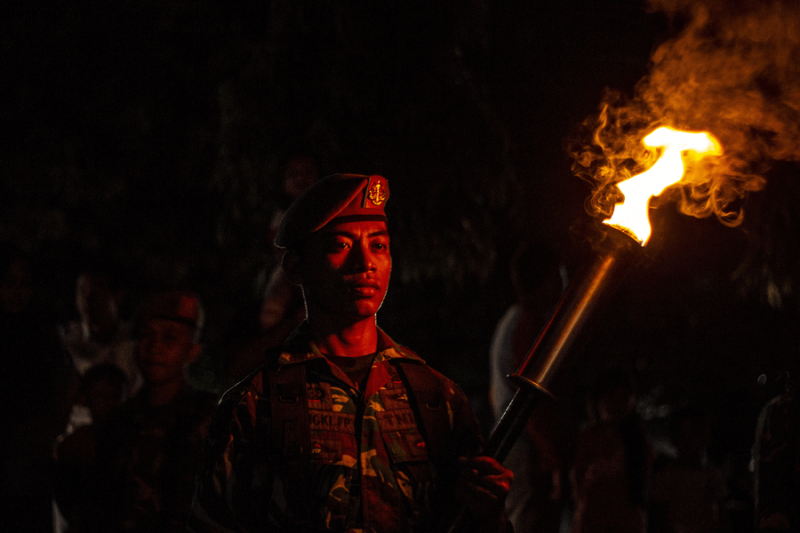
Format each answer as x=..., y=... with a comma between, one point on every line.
x=299, y=347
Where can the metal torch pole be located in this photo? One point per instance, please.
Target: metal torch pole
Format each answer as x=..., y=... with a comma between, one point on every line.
x=565, y=330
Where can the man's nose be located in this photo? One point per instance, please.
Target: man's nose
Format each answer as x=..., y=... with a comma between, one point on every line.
x=151, y=345
x=362, y=258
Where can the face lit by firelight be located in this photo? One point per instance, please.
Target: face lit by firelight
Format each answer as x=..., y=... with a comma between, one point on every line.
x=345, y=269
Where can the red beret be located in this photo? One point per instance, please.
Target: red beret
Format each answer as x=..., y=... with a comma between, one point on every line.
x=343, y=197
x=177, y=306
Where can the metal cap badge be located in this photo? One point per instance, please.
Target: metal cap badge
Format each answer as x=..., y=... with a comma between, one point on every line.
x=340, y=197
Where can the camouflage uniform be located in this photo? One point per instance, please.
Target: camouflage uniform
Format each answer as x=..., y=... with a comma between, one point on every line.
x=368, y=468
x=147, y=460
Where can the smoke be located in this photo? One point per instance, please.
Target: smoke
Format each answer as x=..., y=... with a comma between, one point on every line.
x=734, y=71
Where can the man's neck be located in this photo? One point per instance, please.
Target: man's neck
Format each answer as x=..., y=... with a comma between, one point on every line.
x=161, y=394
x=351, y=340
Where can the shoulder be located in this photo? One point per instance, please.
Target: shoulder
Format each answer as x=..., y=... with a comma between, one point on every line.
x=249, y=388
x=238, y=405
x=423, y=375
x=431, y=387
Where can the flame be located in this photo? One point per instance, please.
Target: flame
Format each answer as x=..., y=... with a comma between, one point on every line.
x=631, y=215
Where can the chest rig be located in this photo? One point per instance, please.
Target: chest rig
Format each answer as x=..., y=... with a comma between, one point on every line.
x=290, y=418
x=302, y=427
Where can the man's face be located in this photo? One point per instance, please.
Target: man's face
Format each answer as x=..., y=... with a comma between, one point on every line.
x=345, y=270
x=163, y=349
x=301, y=173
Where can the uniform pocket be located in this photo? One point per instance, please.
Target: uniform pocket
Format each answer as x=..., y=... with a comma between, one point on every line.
x=409, y=456
x=405, y=446
x=325, y=450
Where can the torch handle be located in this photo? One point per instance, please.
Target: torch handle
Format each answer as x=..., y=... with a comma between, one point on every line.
x=561, y=336
x=514, y=420
x=507, y=431
x=570, y=322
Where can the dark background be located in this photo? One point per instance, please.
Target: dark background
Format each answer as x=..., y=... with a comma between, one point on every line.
x=150, y=133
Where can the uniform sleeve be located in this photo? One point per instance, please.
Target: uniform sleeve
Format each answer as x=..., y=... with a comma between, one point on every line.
x=232, y=490
x=466, y=430
x=468, y=440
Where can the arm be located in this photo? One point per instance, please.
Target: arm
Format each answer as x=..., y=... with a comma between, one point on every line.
x=234, y=483
x=482, y=489
x=482, y=483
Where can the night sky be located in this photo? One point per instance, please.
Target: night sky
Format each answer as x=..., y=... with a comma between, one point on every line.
x=150, y=133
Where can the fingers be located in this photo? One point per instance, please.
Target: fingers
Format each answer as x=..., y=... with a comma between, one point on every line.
x=485, y=471
x=482, y=490
x=485, y=479
x=483, y=464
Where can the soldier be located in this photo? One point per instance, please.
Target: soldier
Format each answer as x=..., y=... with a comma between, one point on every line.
x=342, y=429
x=144, y=457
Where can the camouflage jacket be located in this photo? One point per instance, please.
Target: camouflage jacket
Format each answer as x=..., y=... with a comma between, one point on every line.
x=142, y=472
x=367, y=468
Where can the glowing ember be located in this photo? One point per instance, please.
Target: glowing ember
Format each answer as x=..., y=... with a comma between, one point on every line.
x=631, y=215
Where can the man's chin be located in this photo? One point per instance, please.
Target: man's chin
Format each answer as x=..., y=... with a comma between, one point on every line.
x=367, y=307
x=359, y=315
x=357, y=312
x=348, y=311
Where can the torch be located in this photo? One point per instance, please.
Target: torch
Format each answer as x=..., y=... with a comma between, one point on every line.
x=624, y=236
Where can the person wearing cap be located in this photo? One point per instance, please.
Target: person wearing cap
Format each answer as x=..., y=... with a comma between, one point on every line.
x=147, y=453
x=342, y=429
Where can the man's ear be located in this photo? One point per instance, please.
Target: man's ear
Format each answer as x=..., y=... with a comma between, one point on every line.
x=291, y=267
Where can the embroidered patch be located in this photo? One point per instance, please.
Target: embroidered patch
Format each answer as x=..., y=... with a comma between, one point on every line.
x=396, y=419
x=331, y=421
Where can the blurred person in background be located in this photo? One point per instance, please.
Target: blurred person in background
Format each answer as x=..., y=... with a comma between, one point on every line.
x=35, y=381
x=281, y=309
x=688, y=492
x=103, y=391
x=538, y=457
x=298, y=170
x=100, y=335
x=613, y=461
x=147, y=452
x=776, y=460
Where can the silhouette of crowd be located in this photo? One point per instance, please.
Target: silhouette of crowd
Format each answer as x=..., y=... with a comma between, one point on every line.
x=105, y=427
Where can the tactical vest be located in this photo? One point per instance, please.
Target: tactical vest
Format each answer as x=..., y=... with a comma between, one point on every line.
x=289, y=417
x=289, y=423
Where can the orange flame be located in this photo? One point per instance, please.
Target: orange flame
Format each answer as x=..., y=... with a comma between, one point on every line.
x=631, y=215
